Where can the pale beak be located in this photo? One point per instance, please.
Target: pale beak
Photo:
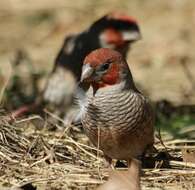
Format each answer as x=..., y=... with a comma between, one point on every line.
x=87, y=71
x=131, y=36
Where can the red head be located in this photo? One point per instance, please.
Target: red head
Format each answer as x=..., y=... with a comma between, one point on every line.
x=103, y=67
x=122, y=17
x=117, y=31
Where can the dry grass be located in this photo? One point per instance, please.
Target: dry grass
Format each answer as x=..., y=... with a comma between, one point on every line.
x=55, y=159
x=64, y=159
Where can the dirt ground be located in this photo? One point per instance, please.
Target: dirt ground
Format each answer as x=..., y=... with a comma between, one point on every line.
x=162, y=63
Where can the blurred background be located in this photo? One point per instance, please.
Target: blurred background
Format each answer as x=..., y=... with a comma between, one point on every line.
x=162, y=62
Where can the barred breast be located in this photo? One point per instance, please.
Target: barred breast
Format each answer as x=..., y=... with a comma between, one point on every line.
x=119, y=123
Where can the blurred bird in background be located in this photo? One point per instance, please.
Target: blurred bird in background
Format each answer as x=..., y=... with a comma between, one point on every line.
x=115, y=30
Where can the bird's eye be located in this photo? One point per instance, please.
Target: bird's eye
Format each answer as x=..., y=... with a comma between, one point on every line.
x=105, y=66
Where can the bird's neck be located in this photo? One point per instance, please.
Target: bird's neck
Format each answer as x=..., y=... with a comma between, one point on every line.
x=114, y=88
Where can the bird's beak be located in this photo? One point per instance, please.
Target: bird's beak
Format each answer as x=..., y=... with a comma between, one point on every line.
x=87, y=71
x=131, y=36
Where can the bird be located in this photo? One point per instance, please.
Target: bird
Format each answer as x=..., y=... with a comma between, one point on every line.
x=116, y=116
x=114, y=30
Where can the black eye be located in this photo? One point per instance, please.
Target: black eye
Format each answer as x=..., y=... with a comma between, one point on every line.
x=105, y=66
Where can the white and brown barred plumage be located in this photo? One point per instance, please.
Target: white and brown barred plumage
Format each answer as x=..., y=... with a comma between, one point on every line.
x=116, y=117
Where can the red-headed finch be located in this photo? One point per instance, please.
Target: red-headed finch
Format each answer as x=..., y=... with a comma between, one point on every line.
x=116, y=117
